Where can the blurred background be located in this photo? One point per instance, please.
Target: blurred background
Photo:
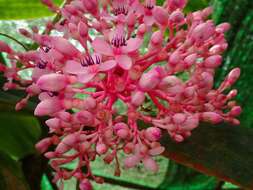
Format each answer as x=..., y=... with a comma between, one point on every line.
x=21, y=168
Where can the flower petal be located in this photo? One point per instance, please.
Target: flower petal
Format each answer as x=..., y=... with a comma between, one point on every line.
x=149, y=20
x=87, y=77
x=105, y=66
x=124, y=61
x=64, y=46
x=101, y=46
x=74, y=67
x=132, y=45
x=37, y=73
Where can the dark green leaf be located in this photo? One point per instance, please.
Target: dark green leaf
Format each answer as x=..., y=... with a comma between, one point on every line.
x=195, y=5
x=179, y=177
x=11, y=176
x=18, y=134
x=240, y=52
x=222, y=151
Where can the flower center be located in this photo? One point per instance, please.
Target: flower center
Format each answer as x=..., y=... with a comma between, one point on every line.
x=42, y=64
x=149, y=4
x=120, y=7
x=46, y=49
x=89, y=60
x=118, y=41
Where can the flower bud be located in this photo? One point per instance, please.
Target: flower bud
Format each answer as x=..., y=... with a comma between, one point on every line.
x=141, y=30
x=99, y=180
x=84, y=117
x=202, y=32
x=91, y=6
x=153, y=133
x=175, y=58
x=64, y=46
x=4, y=47
x=43, y=145
x=161, y=16
x=131, y=161
x=123, y=133
x=50, y=155
x=121, y=129
x=21, y=104
x=119, y=126
x=64, y=116
x=222, y=28
x=33, y=89
x=52, y=82
x=101, y=148
x=190, y=123
x=83, y=29
x=179, y=118
x=235, y=111
x=233, y=75
x=85, y=146
x=25, y=32
x=176, y=17
x=66, y=144
x=169, y=81
x=53, y=124
x=109, y=157
x=150, y=164
x=85, y=185
x=212, y=117
x=157, y=38
x=137, y=98
x=149, y=80
x=178, y=138
x=213, y=61
x=48, y=107
x=128, y=148
x=156, y=151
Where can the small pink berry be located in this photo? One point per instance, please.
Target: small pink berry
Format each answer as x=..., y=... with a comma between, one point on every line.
x=153, y=133
x=150, y=164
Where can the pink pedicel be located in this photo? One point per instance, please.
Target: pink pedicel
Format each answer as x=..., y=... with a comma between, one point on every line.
x=156, y=61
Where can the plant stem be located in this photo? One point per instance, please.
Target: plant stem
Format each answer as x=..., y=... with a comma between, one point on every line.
x=14, y=39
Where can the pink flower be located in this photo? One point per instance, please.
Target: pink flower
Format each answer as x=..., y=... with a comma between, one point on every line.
x=98, y=79
x=87, y=68
x=118, y=48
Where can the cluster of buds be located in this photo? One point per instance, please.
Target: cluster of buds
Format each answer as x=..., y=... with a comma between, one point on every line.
x=128, y=51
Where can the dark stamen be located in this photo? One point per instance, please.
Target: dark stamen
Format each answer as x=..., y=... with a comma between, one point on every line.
x=120, y=10
x=88, y=61
x=149, y=5
x=118, y=41
x=46, y=49
x=63, y=22
x=42, y=64
x=52, y=94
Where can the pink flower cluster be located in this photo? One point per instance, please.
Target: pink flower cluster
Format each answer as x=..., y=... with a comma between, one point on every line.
x=155, y=60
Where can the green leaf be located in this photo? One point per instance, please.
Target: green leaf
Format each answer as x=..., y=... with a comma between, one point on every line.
x=11, y=176
x=23, y=9
x=19, y=131
x=18, y=134
x=222, y=151
x=192, y=5
x=195, y=5
x=179, y=177
x=240, y=51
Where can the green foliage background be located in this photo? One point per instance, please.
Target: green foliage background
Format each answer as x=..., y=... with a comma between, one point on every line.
x=19, y=162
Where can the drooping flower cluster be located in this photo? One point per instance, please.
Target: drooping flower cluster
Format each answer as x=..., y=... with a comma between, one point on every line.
x=157, y=61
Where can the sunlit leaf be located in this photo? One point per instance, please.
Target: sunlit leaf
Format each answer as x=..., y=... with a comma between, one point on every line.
x=23, y=9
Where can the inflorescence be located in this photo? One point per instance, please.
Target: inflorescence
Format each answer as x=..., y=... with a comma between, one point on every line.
x=129, y=51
